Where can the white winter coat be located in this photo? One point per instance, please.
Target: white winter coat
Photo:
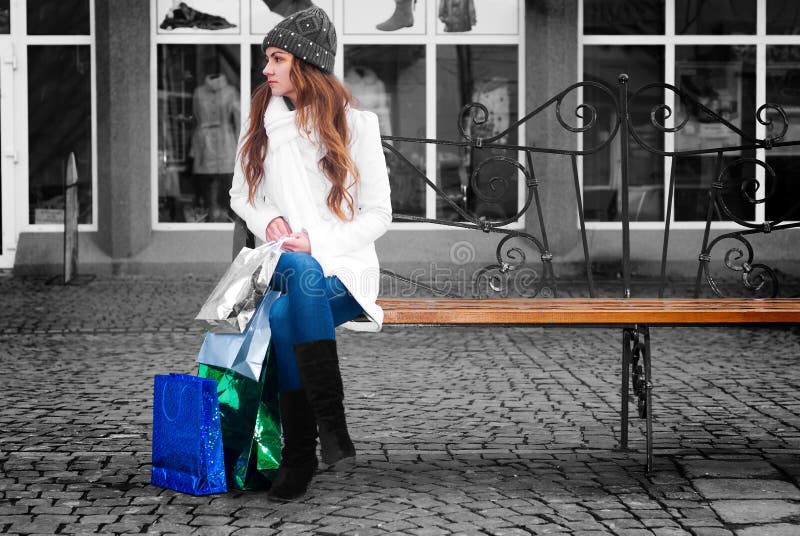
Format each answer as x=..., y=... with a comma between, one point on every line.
x=345, y=249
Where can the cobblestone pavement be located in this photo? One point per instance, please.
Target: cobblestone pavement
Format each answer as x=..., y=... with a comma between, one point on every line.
x=505, y=431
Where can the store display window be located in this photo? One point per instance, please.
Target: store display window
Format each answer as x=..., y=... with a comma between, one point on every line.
x=623, y=17
x=721, y=78
x=721, y=74
x=60, y=108
x=389, y=80
x=394, y=56
x=5, y=17
x=199, y=118
x=57, y=17
x=470, y=176
x=602, y=184
x=783, y=82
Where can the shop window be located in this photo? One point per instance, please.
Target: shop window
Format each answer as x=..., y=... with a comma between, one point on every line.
x=721, y=78
x=57, y=17
x=783, y=17
x=59, y=123
x=5, y=17
x=602, y=195
x=485, y=74
x=199, y=120
x=623, y=17
x=389, y=80
x=385, y=55
x=783, y=81
x=715, y=17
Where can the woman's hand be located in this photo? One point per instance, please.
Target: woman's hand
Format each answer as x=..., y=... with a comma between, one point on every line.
x=297, y=242
x=277, y=228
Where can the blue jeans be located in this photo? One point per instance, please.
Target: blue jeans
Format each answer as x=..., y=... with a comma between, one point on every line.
x=310, y=307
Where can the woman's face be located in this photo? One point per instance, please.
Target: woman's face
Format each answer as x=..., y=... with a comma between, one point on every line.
x=279, y=63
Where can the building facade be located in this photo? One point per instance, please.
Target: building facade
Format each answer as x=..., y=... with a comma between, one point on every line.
x=149, y=96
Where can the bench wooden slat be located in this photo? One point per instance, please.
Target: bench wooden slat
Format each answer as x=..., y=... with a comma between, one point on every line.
x=594, y=311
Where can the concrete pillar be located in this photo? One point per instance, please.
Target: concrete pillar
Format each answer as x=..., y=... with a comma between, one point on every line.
x=551, y=66
x=123, y=121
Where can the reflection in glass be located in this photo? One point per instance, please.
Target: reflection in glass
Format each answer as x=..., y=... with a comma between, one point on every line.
x=58, y=17
x=5, y=17
x=485, y=74
x=602, y=195
x=783, y=87
x=59, y=123
x=715, y=17
x=783, y=17
x=612, y=17
x=721, y=78
x=389, y=80
x=198, y=129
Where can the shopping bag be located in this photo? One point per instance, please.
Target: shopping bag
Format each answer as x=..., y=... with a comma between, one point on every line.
x=241, y=352
x=187, y=450
x=234, y=300
x=250, y=422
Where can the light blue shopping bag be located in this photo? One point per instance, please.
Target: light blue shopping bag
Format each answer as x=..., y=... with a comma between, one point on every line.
x=241, y=352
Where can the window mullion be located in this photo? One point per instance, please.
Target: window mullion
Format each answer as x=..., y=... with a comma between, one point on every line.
x=430, y=127
x=669, y=139
x=761, y=129
x=669, y=18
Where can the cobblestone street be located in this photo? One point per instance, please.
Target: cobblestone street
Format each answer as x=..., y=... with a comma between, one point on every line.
x=503, y=431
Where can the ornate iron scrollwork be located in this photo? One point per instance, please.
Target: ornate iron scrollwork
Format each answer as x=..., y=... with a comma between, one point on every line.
x=659, y=123
x=758, y=279
x=494, y=176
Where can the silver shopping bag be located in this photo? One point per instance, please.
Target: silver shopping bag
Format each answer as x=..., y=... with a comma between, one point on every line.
x=241, y=352
x=234, y=300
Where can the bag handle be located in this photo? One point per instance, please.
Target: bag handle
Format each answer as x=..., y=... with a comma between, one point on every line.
x=164, y=405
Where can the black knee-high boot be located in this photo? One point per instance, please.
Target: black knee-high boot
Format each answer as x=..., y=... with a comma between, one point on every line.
x=299, y=452
x=318, y=364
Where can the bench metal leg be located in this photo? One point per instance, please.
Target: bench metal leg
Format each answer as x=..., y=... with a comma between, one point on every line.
x=624, y=387
x=636, y=347
x=648, y=388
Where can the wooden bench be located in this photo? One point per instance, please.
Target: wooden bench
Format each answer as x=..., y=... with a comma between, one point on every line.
x=633, y=315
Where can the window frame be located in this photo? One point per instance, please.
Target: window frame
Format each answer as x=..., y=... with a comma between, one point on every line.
x=430, y=39
x=22, y=40
x=669, y=40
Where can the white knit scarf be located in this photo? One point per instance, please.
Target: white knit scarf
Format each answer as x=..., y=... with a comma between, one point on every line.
x=288, y=185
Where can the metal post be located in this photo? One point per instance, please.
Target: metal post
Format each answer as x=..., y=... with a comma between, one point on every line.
x=648, y=387
x=70, y=220
x=624, y=387
x=665, y=244
x=623, y=142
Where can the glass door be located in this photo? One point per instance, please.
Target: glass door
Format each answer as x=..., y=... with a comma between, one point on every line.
x=8, y=237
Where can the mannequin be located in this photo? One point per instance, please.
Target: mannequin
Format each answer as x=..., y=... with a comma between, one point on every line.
x=370, y=91
x=216, y=110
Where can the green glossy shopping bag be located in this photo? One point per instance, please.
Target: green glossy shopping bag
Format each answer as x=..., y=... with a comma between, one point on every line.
x=250, y=422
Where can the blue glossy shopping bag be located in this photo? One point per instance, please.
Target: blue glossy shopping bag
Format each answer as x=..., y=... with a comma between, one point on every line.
x=187, y=439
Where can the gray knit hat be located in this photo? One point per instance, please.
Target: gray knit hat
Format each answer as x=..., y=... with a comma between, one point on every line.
x=308, y=34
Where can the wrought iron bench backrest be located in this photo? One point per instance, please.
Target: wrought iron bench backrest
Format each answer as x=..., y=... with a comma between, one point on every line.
x=616, y=110
x=630, y=131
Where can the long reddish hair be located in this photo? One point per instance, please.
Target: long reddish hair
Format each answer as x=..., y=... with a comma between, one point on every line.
x=321, y=104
